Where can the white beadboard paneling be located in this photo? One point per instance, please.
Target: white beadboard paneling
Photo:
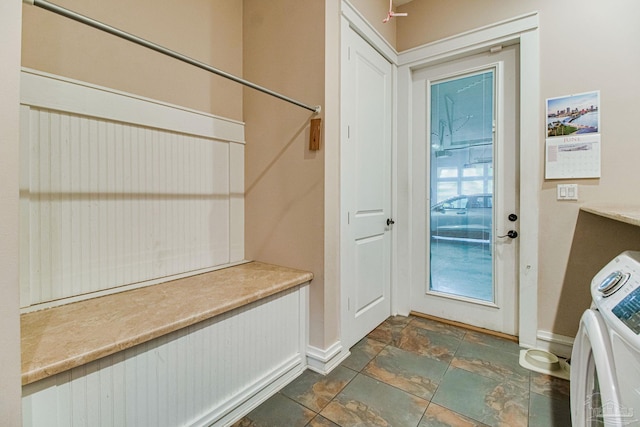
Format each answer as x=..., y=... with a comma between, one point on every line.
x=109, y=205
x=236, y=206
x=207, y=374
x=175, y=230
x=25, y=231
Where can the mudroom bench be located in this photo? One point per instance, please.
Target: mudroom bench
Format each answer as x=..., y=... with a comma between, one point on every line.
x=200, y=350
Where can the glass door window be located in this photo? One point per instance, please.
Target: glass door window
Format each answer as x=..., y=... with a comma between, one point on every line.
x=460, y=183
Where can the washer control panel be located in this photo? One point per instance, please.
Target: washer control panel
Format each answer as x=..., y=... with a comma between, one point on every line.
x=628, y=311
x=616, y=294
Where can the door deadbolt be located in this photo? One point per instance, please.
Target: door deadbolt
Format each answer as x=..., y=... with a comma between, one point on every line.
x=513, y=217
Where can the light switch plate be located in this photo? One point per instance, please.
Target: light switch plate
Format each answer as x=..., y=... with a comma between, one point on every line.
x=567, y=191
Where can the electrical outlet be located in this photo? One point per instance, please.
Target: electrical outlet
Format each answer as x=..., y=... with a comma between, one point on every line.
x=567, y=191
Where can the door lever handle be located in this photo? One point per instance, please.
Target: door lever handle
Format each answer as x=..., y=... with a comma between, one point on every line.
x=511, y=233
x=390, y=222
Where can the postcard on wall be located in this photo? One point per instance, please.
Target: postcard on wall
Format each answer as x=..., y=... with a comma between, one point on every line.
x=573, y=136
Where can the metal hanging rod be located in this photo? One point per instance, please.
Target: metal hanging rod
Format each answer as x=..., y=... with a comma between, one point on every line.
x=153, y=46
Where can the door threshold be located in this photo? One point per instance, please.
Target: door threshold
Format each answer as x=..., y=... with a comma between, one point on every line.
x=466, y=326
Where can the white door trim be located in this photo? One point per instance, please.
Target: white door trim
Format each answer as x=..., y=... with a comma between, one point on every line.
x=368, y=32
x=522, y=30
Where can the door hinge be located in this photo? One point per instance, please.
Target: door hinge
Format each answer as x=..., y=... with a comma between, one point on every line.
x=348, y=304
x=348, y=218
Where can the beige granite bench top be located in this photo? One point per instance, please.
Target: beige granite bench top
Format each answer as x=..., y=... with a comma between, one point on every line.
x=61, y=338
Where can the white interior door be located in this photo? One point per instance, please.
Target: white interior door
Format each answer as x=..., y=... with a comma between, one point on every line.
x=366, y=187
x=465, y=190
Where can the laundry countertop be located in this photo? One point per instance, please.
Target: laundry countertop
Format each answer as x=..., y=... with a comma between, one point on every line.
x=620, y=212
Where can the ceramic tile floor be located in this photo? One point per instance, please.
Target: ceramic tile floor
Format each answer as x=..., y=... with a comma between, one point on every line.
x=419, y=373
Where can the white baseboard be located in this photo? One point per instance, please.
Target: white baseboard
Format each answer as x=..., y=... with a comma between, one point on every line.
x=253, y=396
x=323, y=361
x=560, y=345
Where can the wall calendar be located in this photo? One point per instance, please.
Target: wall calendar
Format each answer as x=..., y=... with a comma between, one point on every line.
x=572, y=148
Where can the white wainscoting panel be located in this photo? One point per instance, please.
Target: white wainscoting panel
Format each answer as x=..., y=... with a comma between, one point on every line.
x=113, y=203
x=208, y=374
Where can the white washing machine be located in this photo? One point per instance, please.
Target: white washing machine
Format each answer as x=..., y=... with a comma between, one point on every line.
x=605, y=362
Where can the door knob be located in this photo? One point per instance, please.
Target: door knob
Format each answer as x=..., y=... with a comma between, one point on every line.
x=511, y=233
x=390, y=222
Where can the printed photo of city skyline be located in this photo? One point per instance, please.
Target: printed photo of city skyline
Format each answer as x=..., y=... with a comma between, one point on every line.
x=573, y=114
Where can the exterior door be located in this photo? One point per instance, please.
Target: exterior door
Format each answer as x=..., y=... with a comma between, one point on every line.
x=366, y=187
x=465, y=127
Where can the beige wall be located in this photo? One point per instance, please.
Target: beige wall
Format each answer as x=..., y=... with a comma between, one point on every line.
x=430, y=20
x=578, y=54
x=10, y=393
x=208, y=31
x=284, y=181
